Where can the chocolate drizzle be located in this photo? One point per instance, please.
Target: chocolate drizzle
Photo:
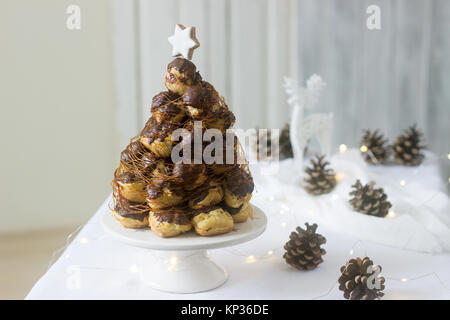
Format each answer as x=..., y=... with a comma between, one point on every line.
x=230, y=210
x=157, y=130
x=133, y=151
x=186, y=68
x=188, y=173
x=165, y=105
x=172, y=215
x=149, y=161
x=193, y=96
x=204, y=210
x=239, y=182
x=128, y=177
x=121, y=210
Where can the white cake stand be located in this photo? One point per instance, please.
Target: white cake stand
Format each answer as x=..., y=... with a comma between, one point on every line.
x=181, y=264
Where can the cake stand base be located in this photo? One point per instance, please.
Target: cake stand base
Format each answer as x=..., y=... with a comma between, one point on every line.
x=185, y=271
x=181, y=264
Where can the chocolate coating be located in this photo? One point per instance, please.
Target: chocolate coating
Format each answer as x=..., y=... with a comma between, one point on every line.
x=164, y=103
x=122, y=211
x=172, y=215
x=157, y=130
x=133, y=151
x=186, y=68
x=204, y=210
x=193, y=96
x=149, y=161
x=230, y=210
x=239, y=182
x=128, y=177
x=156, y=187
x=187, y=173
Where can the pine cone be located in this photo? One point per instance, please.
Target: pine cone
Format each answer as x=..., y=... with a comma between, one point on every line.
x=265, y=145
x=376, y=152
x=320, y=180
x=359, y=281
x=303, y=250
x=369, y=200
x=407, y=147
x=285, y=143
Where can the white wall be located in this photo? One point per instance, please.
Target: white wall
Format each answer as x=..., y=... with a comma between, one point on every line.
x=57, y=113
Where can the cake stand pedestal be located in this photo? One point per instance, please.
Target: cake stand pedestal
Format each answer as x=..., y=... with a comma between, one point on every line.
x=181, y=264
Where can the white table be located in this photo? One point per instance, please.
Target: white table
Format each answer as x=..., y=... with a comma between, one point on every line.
x=95, y=266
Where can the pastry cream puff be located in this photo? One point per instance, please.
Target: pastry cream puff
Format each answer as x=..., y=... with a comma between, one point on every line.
x=130, y=156
x=193, y=102
x=190, y=176
x=161, y=195
x=231, y=160
x=131, y=187
x=238, y=188
x=156, y=137
x=181, y=73
x=130, y=220
x=209, y=197
x=211, y=221
x=240, y=214
x=169, y=223
x=165, y=108
x=219, y=117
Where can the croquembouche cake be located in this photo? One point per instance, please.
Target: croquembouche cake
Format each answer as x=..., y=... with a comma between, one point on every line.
x=151, y=190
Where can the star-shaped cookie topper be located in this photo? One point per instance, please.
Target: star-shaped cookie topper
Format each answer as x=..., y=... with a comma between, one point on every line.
x=183, y=42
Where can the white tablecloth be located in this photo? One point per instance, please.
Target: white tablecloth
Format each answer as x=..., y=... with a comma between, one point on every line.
x=95, y=266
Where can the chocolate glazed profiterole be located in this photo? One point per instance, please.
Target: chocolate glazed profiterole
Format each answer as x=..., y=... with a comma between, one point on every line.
x=174, y=198
x=169, y=222
x=167, y=106
x=129, y=218
x=238, y=192
x=210, y=221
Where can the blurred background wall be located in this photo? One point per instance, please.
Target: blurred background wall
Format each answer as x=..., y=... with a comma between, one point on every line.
x=57, y=113
x=71, y=99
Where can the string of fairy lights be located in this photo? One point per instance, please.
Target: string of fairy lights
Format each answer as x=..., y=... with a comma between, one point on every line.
x=283, y=210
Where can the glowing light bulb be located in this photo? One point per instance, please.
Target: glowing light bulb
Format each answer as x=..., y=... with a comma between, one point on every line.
x=391, y=214
x=403, y=279
x=448, y=156
x=342, y=148
x=270, y=252
x=339, y=176
x=334, y=197
x=363, y=148
x=173, y=260
x=283, y=224
x=351, y=252
x=133, y=269
x=84, y=240
x=402, y=182
x=250, y=259
x=271, y=198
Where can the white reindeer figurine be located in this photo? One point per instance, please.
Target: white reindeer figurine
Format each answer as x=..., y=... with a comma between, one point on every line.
x=302, y=129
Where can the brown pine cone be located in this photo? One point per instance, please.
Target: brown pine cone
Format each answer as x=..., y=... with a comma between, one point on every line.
x=369, y=200
x=303, y=250
x=359, y=280
x=377, y=151
x=407, y=147
x=321, y=179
